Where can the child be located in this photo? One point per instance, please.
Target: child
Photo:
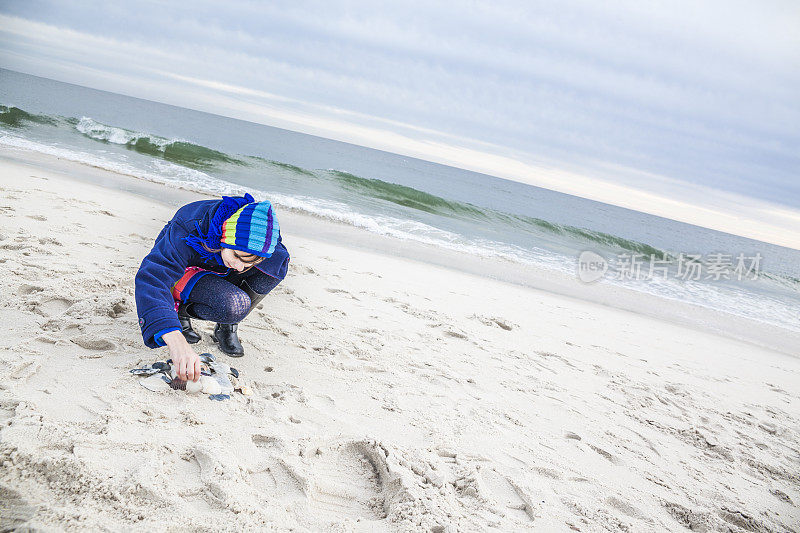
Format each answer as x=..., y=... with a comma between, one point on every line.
x=215, y=260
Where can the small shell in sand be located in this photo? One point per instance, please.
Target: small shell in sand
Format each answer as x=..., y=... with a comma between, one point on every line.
x=194, y=386
x=210, y=385
x=206, y=385
x=247, y=391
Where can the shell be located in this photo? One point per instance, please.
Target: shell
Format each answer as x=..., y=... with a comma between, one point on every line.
x=210, y=385
x=155, y=383
x=194, y=386
x=247, y=391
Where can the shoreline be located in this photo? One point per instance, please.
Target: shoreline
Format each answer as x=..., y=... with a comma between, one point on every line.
x=764, y=220
x=308, y=226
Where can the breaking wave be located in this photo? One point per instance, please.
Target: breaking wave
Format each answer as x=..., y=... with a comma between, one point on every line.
x=16, y=117
x=420, y=200
x=181, y=153
x=174, y=150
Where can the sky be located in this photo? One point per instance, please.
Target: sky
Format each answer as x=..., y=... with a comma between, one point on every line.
x=667, y=107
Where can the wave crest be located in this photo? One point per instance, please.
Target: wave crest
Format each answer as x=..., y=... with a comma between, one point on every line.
x=175, y=150
x=201, y=158
x=430, y=203
x=16, y=117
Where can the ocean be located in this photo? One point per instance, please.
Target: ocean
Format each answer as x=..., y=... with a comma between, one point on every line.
x=403, y=197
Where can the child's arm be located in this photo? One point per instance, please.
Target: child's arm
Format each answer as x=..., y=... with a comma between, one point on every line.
x=159, y=271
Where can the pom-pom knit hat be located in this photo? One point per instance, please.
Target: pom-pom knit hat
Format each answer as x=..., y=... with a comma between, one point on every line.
x=252, y=229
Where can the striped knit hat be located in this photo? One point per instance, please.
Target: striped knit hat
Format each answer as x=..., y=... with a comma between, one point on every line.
x=253, y=229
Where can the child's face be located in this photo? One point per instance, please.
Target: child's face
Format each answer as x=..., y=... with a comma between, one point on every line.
x=239, y=261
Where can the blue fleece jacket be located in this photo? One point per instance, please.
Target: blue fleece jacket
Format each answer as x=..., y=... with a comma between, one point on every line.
x=168, y=260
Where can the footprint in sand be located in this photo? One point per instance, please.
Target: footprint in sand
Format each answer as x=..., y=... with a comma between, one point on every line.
x=782, y=496
x=213, y=472
x=49, y=241
x=334, y=480
x=277, y=479
x=16, y=511
x=118, y=309
x=193, y=493
x=547, y=472
x=25, y=370
x=90, y=342
x=267, y=441
x=341, y=291
x=8, y=409
x=344, y=480
x=53, y=307
x=626, y=508
x=493, y=321
x=14, y=247
x=26, y=289
x=511, y=500
x=742, y=520
x=604, y=454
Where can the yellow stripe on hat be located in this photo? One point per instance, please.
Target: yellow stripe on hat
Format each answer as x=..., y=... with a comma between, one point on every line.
x=229, y=228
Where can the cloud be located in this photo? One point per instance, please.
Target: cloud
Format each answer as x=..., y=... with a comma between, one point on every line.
x=638, y=95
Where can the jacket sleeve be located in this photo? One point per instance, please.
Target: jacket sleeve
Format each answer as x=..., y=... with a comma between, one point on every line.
x=276, y=265
x=160, y=269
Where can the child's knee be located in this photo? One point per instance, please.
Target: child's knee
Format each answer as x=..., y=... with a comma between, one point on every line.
x=238, y=305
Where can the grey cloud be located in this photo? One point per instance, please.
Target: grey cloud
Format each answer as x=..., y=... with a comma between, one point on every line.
x=699, y=91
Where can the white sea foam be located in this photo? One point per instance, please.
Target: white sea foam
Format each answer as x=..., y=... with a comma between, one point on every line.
x=732, y=300
x=102, y=132
x=420, y=232
x=163, y=172
x=173, y=175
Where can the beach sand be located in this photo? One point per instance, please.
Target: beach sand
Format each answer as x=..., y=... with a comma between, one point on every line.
x=389, y=395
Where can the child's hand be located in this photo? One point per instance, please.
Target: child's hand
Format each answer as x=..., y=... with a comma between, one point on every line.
x=184, y=359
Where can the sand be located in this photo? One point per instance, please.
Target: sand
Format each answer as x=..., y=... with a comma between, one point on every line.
x=389, y=395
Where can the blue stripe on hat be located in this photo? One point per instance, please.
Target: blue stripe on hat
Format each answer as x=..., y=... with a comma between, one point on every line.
x=258, y=232
x=243, y=225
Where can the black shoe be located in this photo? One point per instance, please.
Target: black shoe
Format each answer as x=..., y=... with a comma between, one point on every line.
x=225, y=334
x=227, y=338
x=189, y=334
